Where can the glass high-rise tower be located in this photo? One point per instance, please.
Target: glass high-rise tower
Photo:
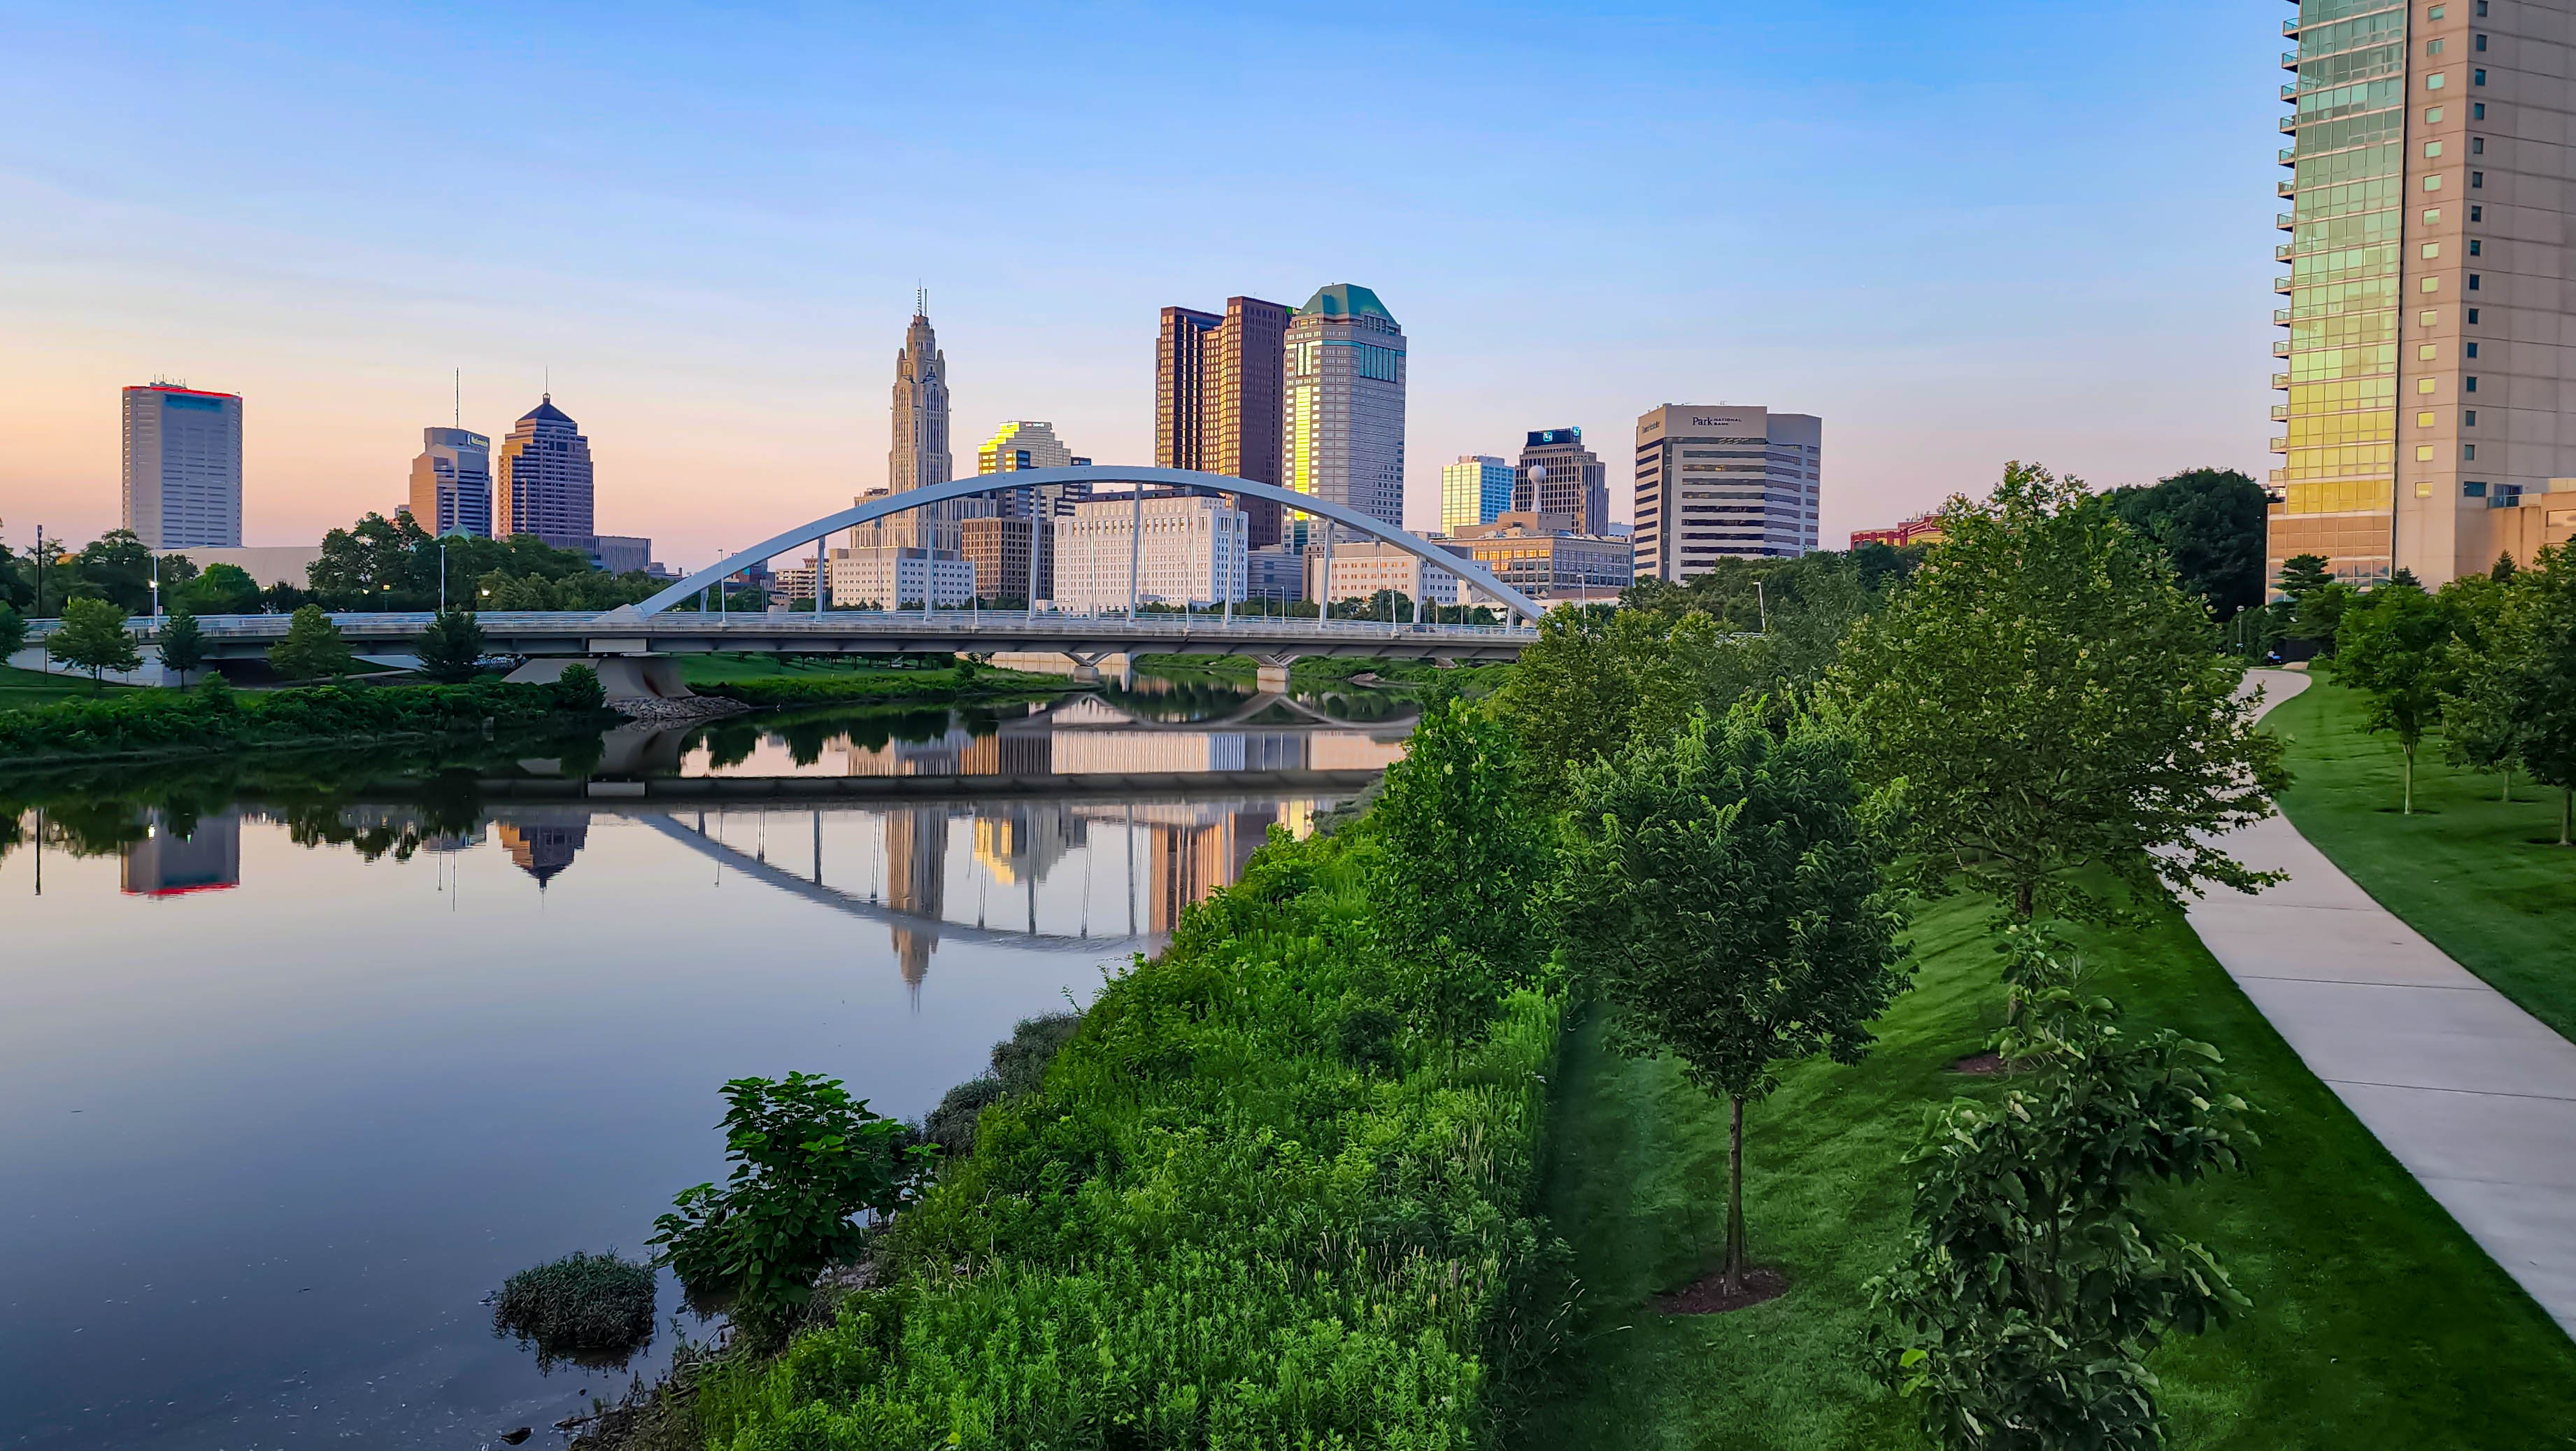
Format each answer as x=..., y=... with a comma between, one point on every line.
x=2427, y=334
x=1343, y=413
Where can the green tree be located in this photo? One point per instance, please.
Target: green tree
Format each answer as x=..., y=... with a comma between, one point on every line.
x=2211, y=523
x=2532, y=670
x=183, y=647
x=13, y=633
x=1726, y=892
x=375, y=564
x=1599, y=677
x=2037, y=1278
x=451, y=649
x=2391, y=645
x=93, y=637
x=118, y=566
x=2319, y=613
x=313, y=647
x=1462, y=860
x=2303, y=575
x=2057, y=709
x=221, y=589
x=808, y=1161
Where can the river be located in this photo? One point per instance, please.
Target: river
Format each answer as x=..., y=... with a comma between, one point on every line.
x=302, y=1057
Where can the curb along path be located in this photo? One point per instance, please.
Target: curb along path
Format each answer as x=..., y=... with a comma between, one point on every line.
x=2474, y=1096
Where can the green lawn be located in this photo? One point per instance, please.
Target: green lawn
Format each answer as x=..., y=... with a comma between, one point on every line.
x=2377, y=1322
x=35, y=687
x=714, y=669
x=2484, y=879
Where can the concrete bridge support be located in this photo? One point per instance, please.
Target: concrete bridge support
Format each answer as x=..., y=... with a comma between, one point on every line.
x=621, y=677
x=1270, y=670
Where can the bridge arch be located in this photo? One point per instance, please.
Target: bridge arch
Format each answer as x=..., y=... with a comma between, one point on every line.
x=882, y=505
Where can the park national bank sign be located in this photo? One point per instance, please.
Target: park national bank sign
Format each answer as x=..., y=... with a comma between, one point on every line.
x=1676, y=419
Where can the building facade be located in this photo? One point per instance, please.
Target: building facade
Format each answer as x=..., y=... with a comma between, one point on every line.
x=451, y=483
x=1724, y=482
x=1474, y=490
x=2428, y=361
x=1558, y=475
x=1000, y=550
x=1343, y=411
x=1545, y=557
x=1172, y=550
x=891, y=577
x=183, y=466
x=1031, y=444
x=920, y=453
x=1924, y=528
x=1218, y=399
x=543, y=484
x=1358, y=569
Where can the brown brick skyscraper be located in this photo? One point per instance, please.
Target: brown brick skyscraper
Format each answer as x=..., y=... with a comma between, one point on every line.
x=1217, y=396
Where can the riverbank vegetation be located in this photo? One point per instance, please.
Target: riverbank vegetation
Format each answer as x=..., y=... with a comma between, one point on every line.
x=924, y=683
x=213, y=717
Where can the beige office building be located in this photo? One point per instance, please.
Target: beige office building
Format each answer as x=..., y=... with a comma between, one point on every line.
x=2429, y=367
x=1724, y=481
x=1189, y=552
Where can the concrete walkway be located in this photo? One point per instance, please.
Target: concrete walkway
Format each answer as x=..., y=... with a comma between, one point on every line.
x=2474, y=1096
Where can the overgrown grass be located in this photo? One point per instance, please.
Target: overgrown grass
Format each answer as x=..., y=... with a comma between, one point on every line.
x=21, y=688
x=1207, y=1228
x=2483, y=878
x=958, y=682
x=717, y=667
x=217, y=719
x=2377, y=1322
x=583, y=1307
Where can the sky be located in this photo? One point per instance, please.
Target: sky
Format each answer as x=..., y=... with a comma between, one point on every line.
x=1961, y=234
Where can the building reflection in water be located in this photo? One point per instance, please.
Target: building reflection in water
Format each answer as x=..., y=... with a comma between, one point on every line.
x=543, y=843
x=168, y=863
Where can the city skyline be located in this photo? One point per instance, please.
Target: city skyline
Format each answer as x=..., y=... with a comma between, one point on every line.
x=2085, y=293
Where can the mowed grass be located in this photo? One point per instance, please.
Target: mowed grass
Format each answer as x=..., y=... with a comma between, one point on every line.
x=2483, y=878
x=2376, y=1321
x=35, y=687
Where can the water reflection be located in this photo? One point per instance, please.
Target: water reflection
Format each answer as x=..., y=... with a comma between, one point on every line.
x=304, y=1055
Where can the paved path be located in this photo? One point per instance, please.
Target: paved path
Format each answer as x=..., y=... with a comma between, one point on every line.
x=2474, y=1096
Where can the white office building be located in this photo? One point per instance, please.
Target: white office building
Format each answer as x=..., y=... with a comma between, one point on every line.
x=183, y=466
x=892, y=577
x=1358, y=569
x=1180, y=550
x=1725, y=481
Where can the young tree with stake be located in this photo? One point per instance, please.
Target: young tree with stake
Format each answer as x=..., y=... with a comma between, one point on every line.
x=1726, y=891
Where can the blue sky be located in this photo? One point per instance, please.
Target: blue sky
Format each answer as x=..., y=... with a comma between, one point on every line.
x=1961, y=234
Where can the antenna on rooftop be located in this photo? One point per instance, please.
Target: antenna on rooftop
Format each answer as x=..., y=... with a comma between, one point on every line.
x=921, y=302
x=460, y=397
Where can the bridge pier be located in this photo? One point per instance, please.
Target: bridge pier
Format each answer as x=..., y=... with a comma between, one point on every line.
x=1270, y=670
x=621, y=677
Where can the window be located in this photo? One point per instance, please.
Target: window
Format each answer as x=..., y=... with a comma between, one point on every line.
x=2423, y=385
x=2473, y=489
x=2477, y=178
x=2473, y=317
x=2469, y=418
x=2432, y=115
x=2432, y=183
x=2477, y=110
x=2436, y=12
x=2427, y=316
x=2477, y=214
x=2468, y=452
x=2432, y=216
x=2432, y=284
x=2481, y=45
x=2432, y=149
x=2473, y=350
x=2423, y=453
x=2424, y=354
x=2469, y=384
x=2423, y=420
x=2477, y=146
x=2477, y=78
x=2432, y=47
x=2433, y=82
x=2482, y=8
x=2473, y=282
x=2432, y=250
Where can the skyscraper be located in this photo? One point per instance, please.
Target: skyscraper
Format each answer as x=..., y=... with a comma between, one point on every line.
x=1474, y=490
x=544, y=484
x=1724, y=482
x=183, y=467
x=2428, y=347
x=1017, y=445
x=1558, y=475
x=451, y=482
x=1217, y=399
x=920, y=453
x=1343, y=415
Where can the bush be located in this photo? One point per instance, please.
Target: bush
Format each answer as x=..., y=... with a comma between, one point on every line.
x=214, y=719
x=583, y=1307
x=1204, y=1226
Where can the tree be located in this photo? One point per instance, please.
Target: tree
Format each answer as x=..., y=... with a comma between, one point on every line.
x=2037, y=1279
x=313, y=647
x=451, y=649
x=1726, y=892
x=183, y=648
x=1598, y=677
x=93, y=637
x=221, y=589
x=13, y=633
x=2532, y=674
x=2303, y=575
x=808, y=1160
x=2211, y=523
x=1462, y=861
x=2057, y=709
x=2391, y=645
x=118, y=565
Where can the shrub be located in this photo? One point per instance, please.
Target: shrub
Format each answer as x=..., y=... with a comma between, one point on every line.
x=582, y=1307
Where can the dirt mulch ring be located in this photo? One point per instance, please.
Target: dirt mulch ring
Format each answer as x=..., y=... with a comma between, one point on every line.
x=1988, y=1064
x=1711, y=1297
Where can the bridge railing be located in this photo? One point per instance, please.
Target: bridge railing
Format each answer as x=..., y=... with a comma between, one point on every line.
x=906, y=623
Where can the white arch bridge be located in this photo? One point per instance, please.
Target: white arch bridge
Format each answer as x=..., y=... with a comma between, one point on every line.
x=626, y=642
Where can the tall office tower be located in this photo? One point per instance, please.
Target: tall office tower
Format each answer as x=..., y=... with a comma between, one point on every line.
x=1724, y=482
x=1344, y=411
x=543, y=486
x=451, y=483
x=1217, y=402
x=1474, y=490
x=1016, y=445
x=183, y=467
x=2428, y=342
x=920, y=453
x=1558, y=475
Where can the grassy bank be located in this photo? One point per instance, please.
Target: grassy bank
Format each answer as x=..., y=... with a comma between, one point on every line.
x=214, y=718
x=1234, y=1215
x=22, y=688
x=962, y=681
x=2376, y=1321
x=2483, y=878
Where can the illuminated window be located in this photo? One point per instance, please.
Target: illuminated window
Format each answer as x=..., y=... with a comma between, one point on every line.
x=2432, y=183
x=2432, y=148
x=2423, y=385
x=2423, y=420
x=2432, y=250
x=2433, y=82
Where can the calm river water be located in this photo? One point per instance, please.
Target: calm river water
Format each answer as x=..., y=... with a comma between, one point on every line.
x=299, y=1060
